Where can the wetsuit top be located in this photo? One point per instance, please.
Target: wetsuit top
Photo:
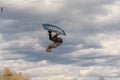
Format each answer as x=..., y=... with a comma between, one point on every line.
x=55, y=38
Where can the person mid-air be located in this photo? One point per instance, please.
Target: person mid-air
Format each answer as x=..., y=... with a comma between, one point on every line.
x=53, y=33
x=56, y=41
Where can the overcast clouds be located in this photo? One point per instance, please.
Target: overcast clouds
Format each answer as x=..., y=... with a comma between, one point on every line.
x=90, y=49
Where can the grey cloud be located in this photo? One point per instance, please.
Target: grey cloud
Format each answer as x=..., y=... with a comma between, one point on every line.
x=74, y=23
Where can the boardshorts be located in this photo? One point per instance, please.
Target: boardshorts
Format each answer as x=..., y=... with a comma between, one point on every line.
x=54, y=45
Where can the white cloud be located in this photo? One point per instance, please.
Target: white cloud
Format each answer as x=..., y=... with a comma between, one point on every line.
x=110, y=42
x=46, y=70
x=112, y=14
x=6, y=23
x=1, y=62
x=35, y=6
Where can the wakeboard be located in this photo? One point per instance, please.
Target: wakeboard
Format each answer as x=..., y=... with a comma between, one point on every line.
x=53, y=28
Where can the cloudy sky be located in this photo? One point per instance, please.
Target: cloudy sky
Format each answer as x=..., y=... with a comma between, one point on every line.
x=89, y=51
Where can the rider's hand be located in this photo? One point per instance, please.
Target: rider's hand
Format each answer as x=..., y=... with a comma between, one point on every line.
x=57, y=33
